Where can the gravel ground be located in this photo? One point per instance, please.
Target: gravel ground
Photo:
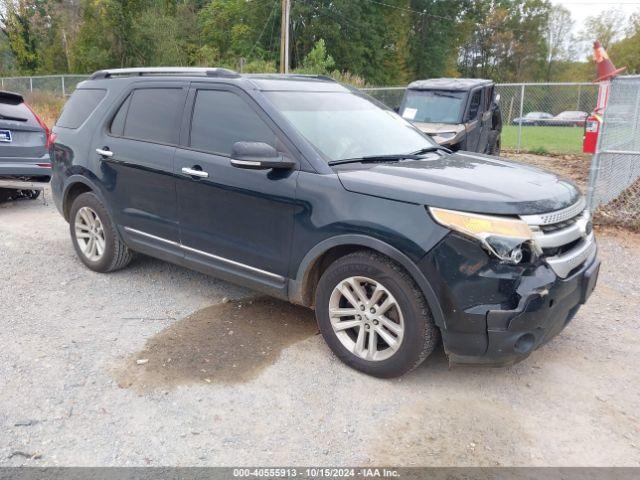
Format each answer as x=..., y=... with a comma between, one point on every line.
x=94, y=372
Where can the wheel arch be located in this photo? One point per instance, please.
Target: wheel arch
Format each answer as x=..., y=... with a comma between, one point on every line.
x=75, y=186
x=302, y=287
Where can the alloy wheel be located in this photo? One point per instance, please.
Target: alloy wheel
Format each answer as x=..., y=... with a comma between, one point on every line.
x=90, y=234
x=366, y=318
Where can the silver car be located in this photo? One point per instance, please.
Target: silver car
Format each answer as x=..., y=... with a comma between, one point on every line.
x=25, y=166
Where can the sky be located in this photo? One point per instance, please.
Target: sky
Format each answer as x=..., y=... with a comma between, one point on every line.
x=581, y=9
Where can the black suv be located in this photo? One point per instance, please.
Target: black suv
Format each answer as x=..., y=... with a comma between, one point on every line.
x=310, y=191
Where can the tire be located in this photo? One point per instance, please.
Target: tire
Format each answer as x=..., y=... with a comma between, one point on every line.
x=5, y=194
x=410, y=315
x=31, y=194
x=114, y=254
x=495, y=150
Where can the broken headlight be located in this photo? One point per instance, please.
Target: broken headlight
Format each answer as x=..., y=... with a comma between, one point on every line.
x=509, y=239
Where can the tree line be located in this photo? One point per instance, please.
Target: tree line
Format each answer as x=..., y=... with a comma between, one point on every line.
x=377, y=42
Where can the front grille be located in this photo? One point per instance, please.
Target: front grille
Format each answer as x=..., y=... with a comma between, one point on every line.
x=564, y=236
x=554, y=227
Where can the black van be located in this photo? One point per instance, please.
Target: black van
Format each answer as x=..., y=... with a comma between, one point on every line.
x=310, y=191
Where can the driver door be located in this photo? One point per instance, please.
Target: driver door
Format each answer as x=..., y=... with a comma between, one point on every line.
x=473, y=121
x=233, y=221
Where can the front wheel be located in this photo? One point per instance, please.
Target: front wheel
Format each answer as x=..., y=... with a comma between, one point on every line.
x=373, y=316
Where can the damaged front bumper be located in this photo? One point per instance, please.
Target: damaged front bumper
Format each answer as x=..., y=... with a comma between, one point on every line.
x=497, y=314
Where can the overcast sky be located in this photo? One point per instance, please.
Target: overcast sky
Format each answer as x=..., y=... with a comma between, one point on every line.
x=581, y=9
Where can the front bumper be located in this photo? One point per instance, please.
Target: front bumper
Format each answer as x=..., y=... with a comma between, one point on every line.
x=498, y=314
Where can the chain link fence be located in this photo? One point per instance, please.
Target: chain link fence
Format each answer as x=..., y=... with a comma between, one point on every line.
x=533, y=118
x=614, y=180
x=63, y=85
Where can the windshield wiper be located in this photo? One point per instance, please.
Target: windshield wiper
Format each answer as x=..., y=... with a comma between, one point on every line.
x=377, y=158
x=433, y=148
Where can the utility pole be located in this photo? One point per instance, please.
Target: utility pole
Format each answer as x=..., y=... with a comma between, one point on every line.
x=284, y=36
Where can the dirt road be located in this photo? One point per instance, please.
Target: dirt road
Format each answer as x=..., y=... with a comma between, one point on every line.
x=158, y=365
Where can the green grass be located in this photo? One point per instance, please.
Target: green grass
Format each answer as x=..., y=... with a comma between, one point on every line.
x=544, y=139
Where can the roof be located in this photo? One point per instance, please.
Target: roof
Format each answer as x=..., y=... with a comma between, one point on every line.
x=461, y=84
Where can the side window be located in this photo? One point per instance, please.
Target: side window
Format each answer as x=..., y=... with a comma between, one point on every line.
x=154, y=115
x=117, y=124
x=81, y=104
x=222, y=118
x=474, y=106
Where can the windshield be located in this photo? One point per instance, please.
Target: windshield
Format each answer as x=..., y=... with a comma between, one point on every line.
x=434, y=106
x=345, y=125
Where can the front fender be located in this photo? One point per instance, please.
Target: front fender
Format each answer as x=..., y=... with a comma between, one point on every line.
x=296, y=285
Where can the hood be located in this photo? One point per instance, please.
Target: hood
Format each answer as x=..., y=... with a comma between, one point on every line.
x=436, y=128
x=463, y=181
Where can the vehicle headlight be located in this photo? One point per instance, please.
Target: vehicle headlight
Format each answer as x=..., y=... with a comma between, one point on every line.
x=446, y=135
x=503, y=237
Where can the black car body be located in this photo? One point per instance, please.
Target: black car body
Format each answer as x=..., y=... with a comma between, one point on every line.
x=270, y=181
x=458, y=113
x=24, y=148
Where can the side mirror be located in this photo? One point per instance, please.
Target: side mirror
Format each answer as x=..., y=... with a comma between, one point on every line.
x=396, y=109
x=258, y=156
x=497, y=98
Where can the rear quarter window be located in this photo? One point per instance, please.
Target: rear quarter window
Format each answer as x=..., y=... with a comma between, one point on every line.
x=78, y=108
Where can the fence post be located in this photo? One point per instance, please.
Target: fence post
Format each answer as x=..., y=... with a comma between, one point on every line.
x=520, y=119
x=579, y=95
x=64, y=93
x=31, y=84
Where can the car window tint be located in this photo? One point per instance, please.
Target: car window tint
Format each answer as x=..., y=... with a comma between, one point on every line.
x=78, y=108
x=153, y=115
x=221, y=119
x=474, y=106
x=117, y=124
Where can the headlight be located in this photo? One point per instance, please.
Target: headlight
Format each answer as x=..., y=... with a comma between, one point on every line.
x=446, y=135
x=503, y=237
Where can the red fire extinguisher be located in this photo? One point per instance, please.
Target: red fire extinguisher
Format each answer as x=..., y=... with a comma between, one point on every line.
x=592, y=126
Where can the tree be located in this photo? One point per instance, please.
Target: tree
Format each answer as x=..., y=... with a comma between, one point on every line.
x=317, y=61
x=559, y=37
x=15, y=19
x=606, y=27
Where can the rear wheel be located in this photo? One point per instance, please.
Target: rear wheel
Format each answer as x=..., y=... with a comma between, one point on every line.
x=94, y=235
x=31, y=194
x=373, y=316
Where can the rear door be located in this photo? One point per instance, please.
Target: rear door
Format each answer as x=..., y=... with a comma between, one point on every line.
x=22, y=138
x=136, y=151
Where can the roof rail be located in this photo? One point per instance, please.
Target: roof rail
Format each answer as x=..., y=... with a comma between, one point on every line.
x=186, y=71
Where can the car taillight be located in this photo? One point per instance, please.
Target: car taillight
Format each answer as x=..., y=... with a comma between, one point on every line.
x=51, y=138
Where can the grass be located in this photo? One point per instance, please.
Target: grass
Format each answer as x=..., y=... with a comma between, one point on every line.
x=543, y=140
x=46, y=105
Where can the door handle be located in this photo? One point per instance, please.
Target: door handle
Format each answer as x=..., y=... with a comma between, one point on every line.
x=192, y=172
x=104, y=152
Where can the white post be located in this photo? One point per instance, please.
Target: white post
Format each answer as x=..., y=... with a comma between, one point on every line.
x=31, y=84
x=64, y=93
